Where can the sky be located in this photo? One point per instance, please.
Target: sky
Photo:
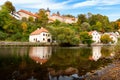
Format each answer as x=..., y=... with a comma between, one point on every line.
x=110, y=8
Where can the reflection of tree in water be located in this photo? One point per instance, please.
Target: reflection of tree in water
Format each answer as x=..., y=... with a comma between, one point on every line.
x=106, y=51
x=78, y=58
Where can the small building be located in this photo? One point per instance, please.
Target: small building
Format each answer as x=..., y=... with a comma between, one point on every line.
x=40, y=35
x=26, y=14
x=113, y=36
x=95, y=36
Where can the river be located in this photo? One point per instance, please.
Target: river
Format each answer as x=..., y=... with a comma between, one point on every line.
x=51, y=62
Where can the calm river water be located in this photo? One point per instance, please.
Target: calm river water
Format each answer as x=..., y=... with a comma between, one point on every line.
x=51, y=63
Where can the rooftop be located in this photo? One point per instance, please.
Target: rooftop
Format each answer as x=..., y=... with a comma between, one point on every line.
x=38, y=31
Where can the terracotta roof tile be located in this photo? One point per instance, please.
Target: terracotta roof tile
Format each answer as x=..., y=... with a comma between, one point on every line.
x=38, y=31
x=27, y=12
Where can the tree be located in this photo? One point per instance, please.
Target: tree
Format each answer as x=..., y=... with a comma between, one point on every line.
x=85, y=26
x=5, y=17
x=81, y=18
x=99, y=19
x=9, y=6
x=31, y=19
x=24, y=19
x=42, y=18
x=69, y=15
x=24, y=26
x=86, y=38
x=65, y=36
x=105, y=38
x=56, y=23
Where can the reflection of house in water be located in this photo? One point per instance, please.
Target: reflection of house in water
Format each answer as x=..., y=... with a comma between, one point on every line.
x=40, y=54
x=96, y=53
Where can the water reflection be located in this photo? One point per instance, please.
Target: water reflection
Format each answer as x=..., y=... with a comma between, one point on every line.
x=40, y=54
x=96, y=52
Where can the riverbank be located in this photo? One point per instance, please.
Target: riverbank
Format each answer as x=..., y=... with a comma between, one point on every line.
x=109, y=72
x=10, y=43
x=4, y=43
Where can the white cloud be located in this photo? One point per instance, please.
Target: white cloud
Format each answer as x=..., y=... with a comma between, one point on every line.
x=37, y=4
x=96, y=3
x=113, y=16
x=86, y=3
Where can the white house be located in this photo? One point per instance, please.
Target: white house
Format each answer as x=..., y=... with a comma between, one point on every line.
x=40, y=35
x=113, y=36
x=95, y=36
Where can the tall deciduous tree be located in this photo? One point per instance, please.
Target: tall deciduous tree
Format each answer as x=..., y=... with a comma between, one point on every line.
x=42, y=18
x=86, y=38
x=66, y=36
x=24, y=26
x=9, y=6
x=105, y=39
x=81, y=18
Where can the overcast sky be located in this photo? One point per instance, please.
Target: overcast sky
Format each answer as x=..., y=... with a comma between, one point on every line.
x=110, y=8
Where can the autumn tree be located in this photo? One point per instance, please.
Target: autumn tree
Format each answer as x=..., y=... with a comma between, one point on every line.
x=105, y=38
x=42, y=18
x=24, y=26
x=9, y=6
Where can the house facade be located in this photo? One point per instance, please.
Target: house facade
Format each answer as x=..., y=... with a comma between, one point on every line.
x=113, y=36
x=51, y=18
x=40, y=35
x=95, y=36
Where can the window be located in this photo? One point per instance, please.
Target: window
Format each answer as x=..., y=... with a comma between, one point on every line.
x=43, y=39
x=43, y=34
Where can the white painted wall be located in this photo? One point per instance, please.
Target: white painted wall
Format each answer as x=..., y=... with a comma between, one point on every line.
x=42, y=37
x=96, y=37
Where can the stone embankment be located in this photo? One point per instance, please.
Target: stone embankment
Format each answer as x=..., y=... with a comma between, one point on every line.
x=3, y=43
x=110, y=72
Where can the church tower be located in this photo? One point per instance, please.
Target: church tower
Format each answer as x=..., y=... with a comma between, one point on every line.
x=48, y=12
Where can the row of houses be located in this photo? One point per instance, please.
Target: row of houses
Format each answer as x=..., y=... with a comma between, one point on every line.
x=97, y=35
x=51, y=18
x=43, y=35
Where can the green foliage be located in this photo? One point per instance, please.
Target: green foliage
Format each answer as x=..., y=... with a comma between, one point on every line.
x=65, y=36
x=42, y=18
x=85, y=26
x=86, y=38
x=105, y=39
x=24, y=19
x=81, y=18
x=63, y=33
x=3, y=35
x=9, y=6
x=31, y=19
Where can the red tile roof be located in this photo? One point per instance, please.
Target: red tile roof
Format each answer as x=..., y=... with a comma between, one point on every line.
x=38, y=31
x=27, y=12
